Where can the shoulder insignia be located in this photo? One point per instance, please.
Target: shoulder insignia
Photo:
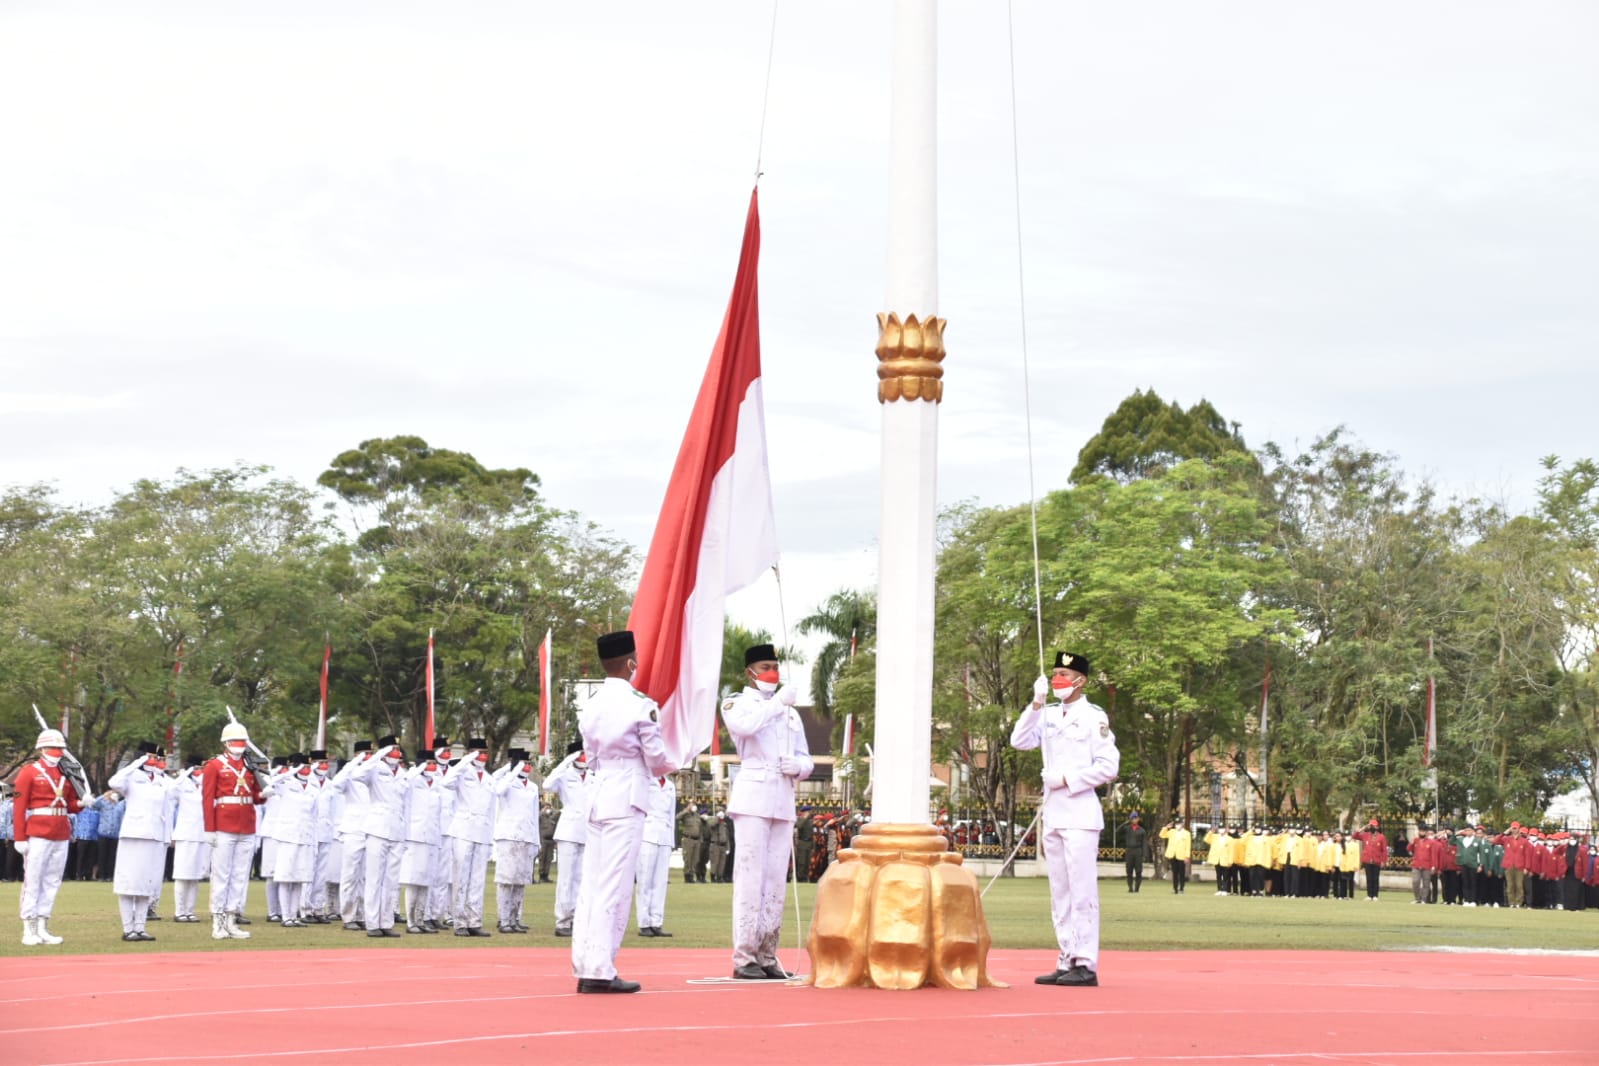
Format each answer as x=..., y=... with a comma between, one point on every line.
x=1104, y=730
x=654, y=716
x=727, y=705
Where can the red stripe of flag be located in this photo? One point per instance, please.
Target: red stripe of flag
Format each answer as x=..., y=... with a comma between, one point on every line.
x=716, y=533
x=322, y=708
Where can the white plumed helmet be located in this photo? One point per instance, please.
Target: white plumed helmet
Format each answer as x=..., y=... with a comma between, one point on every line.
x=50, y=738
x=235, y=731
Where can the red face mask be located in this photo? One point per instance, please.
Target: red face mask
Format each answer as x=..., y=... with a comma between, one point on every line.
x=482, y=758
x=155, y=764
x=54, y=753
x=771, y=677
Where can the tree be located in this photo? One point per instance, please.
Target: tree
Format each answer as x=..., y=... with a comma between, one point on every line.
x=1145, y=436
x=848, y=619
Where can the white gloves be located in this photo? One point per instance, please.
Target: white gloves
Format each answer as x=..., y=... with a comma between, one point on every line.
x=788, y=766
x=1040, y=689
x=787, y=695
x=21, y=846
x=1053, y=779
x=210, y=840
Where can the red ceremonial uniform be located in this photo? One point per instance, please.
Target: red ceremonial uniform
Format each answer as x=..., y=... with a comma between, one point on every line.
x=45, y=796
x=229, y=793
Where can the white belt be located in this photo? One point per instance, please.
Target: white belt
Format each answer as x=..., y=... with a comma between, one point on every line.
x=233, y=799
x=53, y=812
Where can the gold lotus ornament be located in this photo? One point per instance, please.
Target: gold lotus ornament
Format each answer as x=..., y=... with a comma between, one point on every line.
x=899, y=910
x=910, y=356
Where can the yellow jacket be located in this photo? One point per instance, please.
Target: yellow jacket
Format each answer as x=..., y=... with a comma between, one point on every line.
x=1304, y=850
x=1179, y=842
x=1326, y=856
x=1221, y=848
x=1349, y=861
x=1257, y=850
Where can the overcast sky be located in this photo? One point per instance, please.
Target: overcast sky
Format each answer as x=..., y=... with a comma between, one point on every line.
x=269, y=231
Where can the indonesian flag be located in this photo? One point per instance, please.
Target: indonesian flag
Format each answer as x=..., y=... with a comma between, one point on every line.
x=849, y=734
x=322, y=710
x=1430, y=747
x=544, y=695
x=428, y=732
x=716, y=533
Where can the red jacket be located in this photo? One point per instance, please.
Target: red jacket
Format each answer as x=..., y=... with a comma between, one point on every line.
x=1373, y=848
x=1515, y=852
x=1446, y=857
x=1423, y=854
x=228, y=795
x=41, y=787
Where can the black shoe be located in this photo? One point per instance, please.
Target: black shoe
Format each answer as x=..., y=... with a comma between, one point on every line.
x=563, y=930
x=1050, y=978
x=478, y=930
x=383, y=933
x=1080, y=976
x=599, y=984
x=661, y=932
x=430, y=925
x=274, y=918
x=131, y=937
x=354, y=925
x=293, y=923
x=415, y=930
x=647, y=930
x=749, y=972
x=142, y=935
x=239, y=919
x=518, y=927
x=776, y=972
x=425, y=929
x=152, y=917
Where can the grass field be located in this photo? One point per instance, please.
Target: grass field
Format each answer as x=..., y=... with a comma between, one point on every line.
x=1018, y=917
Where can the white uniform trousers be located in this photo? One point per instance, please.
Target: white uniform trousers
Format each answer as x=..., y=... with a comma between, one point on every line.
x=230, y=871
x=1071, y=856
x=568, y=879
x=42, y=868
x=438, y=901
x=760, y=876
x=352, y=877
x=316, y=893
x=382, y=881
x=471, y=869
x=186, y=895
x=610, y=857
x=650, y=895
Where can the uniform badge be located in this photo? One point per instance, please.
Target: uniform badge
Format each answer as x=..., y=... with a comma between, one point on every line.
x=1104, y=730
x=727, y=705
x=653, y=717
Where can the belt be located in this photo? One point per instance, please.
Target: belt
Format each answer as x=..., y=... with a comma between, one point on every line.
x=51, y=812
x=220, y=800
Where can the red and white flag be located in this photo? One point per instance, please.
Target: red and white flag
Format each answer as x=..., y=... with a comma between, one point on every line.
x=1430, y=746
x=716, y=533
x=544, y=695
x=322, y=710
x=849, y=734
x=428, y=731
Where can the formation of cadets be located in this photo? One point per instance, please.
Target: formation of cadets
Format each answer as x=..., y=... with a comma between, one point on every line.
x=1468, y=866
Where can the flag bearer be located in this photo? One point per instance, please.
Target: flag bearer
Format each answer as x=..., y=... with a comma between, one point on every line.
x=40, y=806
x=230, y=793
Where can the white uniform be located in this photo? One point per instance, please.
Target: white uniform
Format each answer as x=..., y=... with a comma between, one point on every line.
x=570, y=784
x=352, y=839
x=423, y=853
x=324, y=871
x=1080, y=754
x=142, y=847
x=294, y=831
x=770, y=737
x=472, y=828
x=623, y=741
x=268, y=843
x=516, y=845
x=191, y=858
x=655, y=854
x=385, y=839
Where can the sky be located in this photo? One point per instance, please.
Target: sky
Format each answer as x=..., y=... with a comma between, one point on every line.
x=267, y=232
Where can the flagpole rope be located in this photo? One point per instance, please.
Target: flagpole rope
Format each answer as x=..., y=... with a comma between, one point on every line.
x=1021, y=289
x=793, y=861
x=766, y=93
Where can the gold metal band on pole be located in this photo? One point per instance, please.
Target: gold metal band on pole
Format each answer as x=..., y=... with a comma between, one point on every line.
x=910, y=355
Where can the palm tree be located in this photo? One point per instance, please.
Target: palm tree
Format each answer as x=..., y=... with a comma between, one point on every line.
x=849, y=619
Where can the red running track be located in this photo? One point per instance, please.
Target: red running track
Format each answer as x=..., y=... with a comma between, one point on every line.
x=519, y=1005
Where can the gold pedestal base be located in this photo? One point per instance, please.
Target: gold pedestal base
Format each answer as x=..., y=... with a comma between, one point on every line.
x=898, y=910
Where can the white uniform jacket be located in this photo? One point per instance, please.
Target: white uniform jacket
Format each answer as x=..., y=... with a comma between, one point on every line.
x=1080, y=754
x=190, y=824
x=625, y=750
x=151, y=801
x=325, y=810
x=661, y=822
x=764, y=729
x=356, y=798
x=424, y=818
x=473, y=787
x=385, y=813
x=568, y=783
x=294, y=809
x=518, y=817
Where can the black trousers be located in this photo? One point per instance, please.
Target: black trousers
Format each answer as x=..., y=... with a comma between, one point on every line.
x=1373, y=876
x=1179, y=874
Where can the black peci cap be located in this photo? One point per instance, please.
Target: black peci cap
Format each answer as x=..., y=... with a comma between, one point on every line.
x=1065, y=660
x=615, y=645
x=760, y=653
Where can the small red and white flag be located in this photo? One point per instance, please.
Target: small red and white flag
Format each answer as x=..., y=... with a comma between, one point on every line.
x=544, y=695
x=716, y=533
x=322, y=710
x=428, y=731
x=1430, y=746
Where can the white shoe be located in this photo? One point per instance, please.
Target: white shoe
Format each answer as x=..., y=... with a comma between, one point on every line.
x=42, y=925
x=30, y=933
x=219, y=927
x=234, y=932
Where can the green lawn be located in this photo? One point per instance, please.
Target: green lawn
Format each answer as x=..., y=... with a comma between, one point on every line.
x=1018, y=916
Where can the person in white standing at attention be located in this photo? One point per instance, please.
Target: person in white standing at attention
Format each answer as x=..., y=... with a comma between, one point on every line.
x=1080, y=754
x=146, y=833
x=772, y=756
x=621, y=733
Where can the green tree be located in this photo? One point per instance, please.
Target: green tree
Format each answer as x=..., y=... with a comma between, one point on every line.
x=848, y=619
x=1145, y=436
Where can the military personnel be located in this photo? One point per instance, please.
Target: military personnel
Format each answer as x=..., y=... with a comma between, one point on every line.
x=546, y=841
x=352, y=837
x=41, y=806
x=568, y=782
x=1080, y=754
x=655, y=858
x=707, y=829
x=621, y=731
x=472, y=827
x=516, y=839
x=688, y=826
x=1179, y=846
x=385, y=833
x=230, y=793
x=1137, y=843
x=721, y=836
x=805, y=843
x=773, y=758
